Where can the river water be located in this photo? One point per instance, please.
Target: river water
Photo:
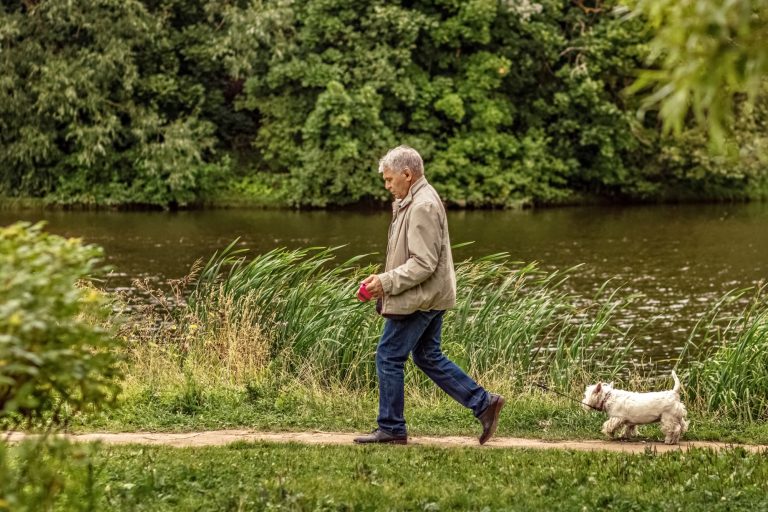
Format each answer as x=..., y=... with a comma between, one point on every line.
x=681, y=258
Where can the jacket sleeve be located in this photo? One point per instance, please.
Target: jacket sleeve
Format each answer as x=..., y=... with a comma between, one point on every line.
x=424, y=235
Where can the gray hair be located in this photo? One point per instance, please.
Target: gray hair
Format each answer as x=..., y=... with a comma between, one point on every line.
x=401, y=158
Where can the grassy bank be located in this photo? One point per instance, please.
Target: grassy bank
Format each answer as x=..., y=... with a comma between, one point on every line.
x=279, y=343
x=293, y=477
x=298, y=407
x=236, y=198
x=13, y=204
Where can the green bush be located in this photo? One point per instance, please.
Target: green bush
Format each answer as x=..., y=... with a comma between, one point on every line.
x=54, y=356
x=53, y=475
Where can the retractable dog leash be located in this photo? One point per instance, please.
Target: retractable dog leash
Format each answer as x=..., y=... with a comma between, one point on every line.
x=547, y=388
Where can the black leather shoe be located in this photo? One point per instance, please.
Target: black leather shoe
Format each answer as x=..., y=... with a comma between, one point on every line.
x=379, y=436
x=490, y=417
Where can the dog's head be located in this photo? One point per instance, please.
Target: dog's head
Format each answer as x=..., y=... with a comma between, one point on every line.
x=594, y=396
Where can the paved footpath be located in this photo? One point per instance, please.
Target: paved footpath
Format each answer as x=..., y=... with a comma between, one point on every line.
x=224, y=437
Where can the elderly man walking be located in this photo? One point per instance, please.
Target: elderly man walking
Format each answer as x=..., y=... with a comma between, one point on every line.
x=417, y=286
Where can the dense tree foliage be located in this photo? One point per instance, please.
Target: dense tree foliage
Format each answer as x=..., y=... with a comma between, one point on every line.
x=169, y=103
x=709, y=52
x=99, y=105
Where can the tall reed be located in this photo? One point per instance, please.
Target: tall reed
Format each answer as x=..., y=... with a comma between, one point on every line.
x=306, y=306
x=512, y=321
x=732, y=376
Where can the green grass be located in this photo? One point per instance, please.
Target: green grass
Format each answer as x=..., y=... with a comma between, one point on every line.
x=295, y=407
x=278, y=343
x=260, y=476
x=14, y=204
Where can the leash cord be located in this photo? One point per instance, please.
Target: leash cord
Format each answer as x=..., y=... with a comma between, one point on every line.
x=547, y=388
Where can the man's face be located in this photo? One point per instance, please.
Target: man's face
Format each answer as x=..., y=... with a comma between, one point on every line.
x=398, y=184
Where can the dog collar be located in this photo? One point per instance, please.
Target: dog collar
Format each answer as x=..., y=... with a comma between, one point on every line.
x=601, y=405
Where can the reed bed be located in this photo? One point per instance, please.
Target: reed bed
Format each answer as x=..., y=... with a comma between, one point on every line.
x=290, y=318
x=515, y=319
x=512, y=322
x=731, y=377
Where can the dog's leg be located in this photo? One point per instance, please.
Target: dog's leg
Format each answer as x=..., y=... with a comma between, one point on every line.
x=671, y=427
x=674, y=437
x=629, y=431
x=611, y=426
x=682, y=413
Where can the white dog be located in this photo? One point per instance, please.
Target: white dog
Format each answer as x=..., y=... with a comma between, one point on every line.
x=627, y=409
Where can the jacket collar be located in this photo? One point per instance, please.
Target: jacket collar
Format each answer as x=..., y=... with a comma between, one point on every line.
x=417, y=185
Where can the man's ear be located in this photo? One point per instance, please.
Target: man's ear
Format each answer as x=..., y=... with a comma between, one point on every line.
x=408, y=174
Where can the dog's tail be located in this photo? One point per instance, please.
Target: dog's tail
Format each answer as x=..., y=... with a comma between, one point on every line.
x=676, y=389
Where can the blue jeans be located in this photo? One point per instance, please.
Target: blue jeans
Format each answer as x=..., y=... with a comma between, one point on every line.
x=419, y=333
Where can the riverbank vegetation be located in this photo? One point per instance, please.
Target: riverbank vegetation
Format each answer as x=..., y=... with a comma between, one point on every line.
x=172, y=104
x=278, y=342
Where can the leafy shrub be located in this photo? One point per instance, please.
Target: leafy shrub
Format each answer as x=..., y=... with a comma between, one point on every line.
x=53, y=475
x=54, y=356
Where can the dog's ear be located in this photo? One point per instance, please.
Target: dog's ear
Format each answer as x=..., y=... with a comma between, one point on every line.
x=599, y=387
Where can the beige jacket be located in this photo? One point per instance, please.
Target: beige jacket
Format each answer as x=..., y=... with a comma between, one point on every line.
x=419, y=272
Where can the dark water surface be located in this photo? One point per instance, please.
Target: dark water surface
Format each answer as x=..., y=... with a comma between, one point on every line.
x=682, y=258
